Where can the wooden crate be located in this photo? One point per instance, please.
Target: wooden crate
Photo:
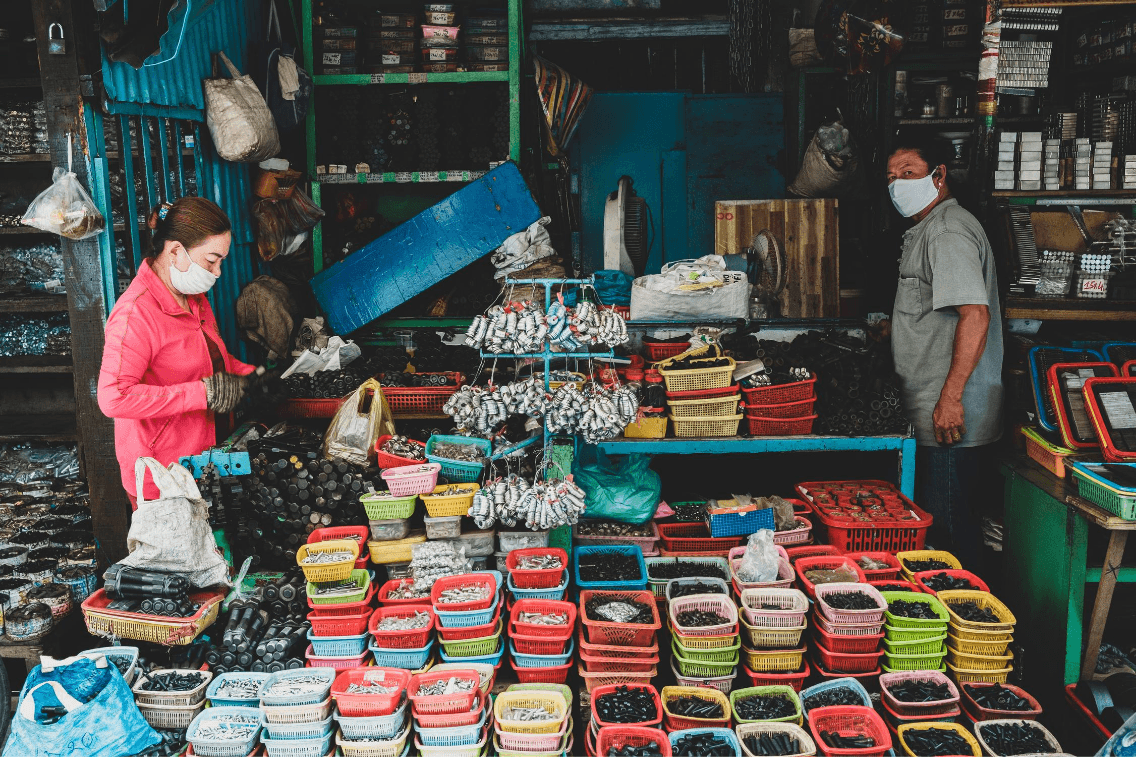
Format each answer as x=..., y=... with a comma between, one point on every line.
x=809, y=234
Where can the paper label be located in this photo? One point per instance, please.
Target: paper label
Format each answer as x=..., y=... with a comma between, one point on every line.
x=402, y=177
x=1092, y=285
x=439, y=54
x=416, y=78
x=377, y=78
x=390, y=60
x=332, y=59
x=1118, y=409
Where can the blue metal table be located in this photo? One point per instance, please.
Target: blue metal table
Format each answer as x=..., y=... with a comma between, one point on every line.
x=904, y=445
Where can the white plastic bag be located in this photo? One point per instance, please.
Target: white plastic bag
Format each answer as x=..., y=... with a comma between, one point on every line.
x=337, y=354
x=691, y=290
x=759, y=562
x=65, y=209
x=171, y=534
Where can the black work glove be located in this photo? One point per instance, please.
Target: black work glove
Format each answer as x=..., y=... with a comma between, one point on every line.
x=224, y=391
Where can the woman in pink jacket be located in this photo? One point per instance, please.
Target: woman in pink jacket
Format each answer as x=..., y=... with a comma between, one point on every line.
x=165, y=369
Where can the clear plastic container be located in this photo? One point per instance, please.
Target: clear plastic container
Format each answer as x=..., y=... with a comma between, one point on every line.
x=477, y=543
x=397, y=570
x=502, y=558
x=446, y=527
x=507, y=541
x=389, y=530
x=481, y=562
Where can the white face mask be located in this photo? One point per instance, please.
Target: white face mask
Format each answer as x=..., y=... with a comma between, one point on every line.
x=913, y=195
x=196, y=280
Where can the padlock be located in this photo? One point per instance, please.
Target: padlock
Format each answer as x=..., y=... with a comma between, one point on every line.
x=56, y=46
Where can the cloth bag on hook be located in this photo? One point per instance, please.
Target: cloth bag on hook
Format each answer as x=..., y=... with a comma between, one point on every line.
x=240, y=123
x=172, y=534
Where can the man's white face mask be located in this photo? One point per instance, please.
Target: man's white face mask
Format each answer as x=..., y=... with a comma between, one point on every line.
x=913, y=195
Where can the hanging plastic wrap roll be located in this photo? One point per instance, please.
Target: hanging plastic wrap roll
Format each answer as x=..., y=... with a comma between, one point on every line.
x=522, y=327
x=538, y=506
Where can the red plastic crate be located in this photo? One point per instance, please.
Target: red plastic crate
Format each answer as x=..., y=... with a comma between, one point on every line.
x=849, y=721
x=542, y=645
x=598, y=664
x=760, y=426
x=464, y=580
x=693, y=538
x=704, y=394
x=1109, y=450
x=850, y=645
x=781, y=394
x=662, y=350
x=453, y=719
x=600, y=691
x=980, y=713
x=1128, y=369
x=847, y=663
x=882, y=574
x=616, y=651
x=555, y=674
x=387, y=460
x=421, y=400
x=628, y=634
x=620, y=736
x=544, y=578
x=541, y=606
x=856, y=536
x=978, y=583
x=798, y=409
x=796, y=680
x=310, y=408
x=359, y=534
x=440, y=704
x=824, y=562
x=351, y=623
x=385, y=599
x=414, y=639
x=810, y=550
x=369, y=705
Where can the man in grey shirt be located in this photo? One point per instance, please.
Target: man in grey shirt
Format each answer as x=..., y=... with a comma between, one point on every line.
x=946, y=335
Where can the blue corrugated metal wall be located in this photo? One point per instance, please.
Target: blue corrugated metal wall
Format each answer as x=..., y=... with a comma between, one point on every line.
x=157, y=95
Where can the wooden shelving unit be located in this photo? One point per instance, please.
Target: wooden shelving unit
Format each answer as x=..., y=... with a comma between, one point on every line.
x=37, y=364
x=42, y=428
x=33, y=303
x=1062, y=309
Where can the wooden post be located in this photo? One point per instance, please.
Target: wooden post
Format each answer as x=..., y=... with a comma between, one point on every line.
x=83, y=272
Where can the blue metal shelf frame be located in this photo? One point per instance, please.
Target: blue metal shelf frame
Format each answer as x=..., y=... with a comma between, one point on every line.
x=904, y=445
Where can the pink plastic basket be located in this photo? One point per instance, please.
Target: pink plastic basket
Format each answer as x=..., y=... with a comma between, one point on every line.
x=793, y=603
x=718, y=603
x=850, y=616
x=336, y=663
x=420, y=478
x=797, y=535
x=939, y=707
x=846, y=629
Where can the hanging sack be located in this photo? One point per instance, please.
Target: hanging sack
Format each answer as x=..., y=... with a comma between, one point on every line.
x=240, y=123
x=287, y=87
x=96, y=718
x=830, y=171
x=171, y=534
x=65, y=208
x=358, y=424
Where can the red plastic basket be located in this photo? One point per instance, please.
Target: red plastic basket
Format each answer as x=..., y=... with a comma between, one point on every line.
x=851, y=645
x=352, y=623
x=869, y=680
x=704, y=394
x=464, y=580
x=895, y=719
x=453, y=719
x=796, y=680
x=760, y=426
x=824, y=562
x=470, y=632
x=600, y=691
x=631, y=652
x=855, y=536
x=310, y=408
x=617, y=737
x=441, y=704
x=880, y=574
x=369, y=705
x=543, y=645
x=897, y=584
x=542, y=578
x=781, y=394
x=849, y=721
x=413, y=639
x=421, y=400
x=387, y=460
x=798, y=409
x=555, y=674
x=385, y=598
x=847, y=663
x=938, y=707
x=694, y=537
x=978, y=583
x=1128, y=369
x=357, y=533
x=662, y=350
x=980, y=713
x=598, y=664
x=345, y=608
x=627, y=634
x=810, y=550
x=541, y=606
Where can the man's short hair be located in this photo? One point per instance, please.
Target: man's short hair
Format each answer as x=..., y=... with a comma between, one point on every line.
x=933, y=150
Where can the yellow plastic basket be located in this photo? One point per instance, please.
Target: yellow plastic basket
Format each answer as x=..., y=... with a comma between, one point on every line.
x=962, y=675
x=671, y=693
x=977, y=662
x=971, y=634
x=646, y=428
x=168, y=632
x=696, y=379
x=328, y=571
x=983, y=599
x=773, y=661
x=713, y=407
x=385, y=552
x=439, y=506
x=772, y=638
x=925, y=554
x=695, y=427
x=581, y=379
x=975, y=749
x=552, y=701
x=808, y=746
x=990, y=648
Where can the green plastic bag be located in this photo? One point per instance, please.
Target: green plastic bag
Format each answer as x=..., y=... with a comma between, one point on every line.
x=622, y=488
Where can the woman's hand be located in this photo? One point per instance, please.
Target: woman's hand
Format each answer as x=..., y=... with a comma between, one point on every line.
x=224, y=391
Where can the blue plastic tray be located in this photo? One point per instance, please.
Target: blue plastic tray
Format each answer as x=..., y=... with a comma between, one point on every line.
x=298, y=699
x=554, y=593
x=463, y=735
x=236, y=675
x=220, y=746
x=374, y=727
x=839, y=683
x=542, y=660
x=741, y=524
x=639, y=584
x=1038, y=378
x=405, y=659
x=338, y=646
x=297, y=747
x=726, y=734
x=1110, y=352
x=467, y=618
x=454, y=470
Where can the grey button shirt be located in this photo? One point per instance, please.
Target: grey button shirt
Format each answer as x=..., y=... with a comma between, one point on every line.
x=947, y=262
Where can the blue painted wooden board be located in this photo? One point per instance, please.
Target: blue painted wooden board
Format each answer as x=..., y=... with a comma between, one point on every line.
x=436, y=243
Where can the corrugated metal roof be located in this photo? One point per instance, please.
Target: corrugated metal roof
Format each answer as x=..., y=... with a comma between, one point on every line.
x=169, y=83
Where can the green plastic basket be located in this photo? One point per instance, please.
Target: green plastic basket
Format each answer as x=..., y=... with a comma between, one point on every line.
x=719, y=654
x=914, y=661
x=787, y=691
x=1114, y=500
x=908, y=596
x=942, y=669
x=703, y=669
x=896, y=633
x=359, y=577
x=933, y=645
x=486, y=645
x=382, y=506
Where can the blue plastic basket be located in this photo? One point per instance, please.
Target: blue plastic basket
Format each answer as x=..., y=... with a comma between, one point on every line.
x=741, y=524
x=726, y=734
x=621, y=549
x=376, y=727
x=467, y=618
x=554, y=593
x=297, y=699
x=462, y=735
x=298, y=747
x=216, y=684
x=220, y=747
x=497, y=576
x=406, y=659
x=1039, y=379
x=455, y=470
x=338, y=646
x=1111, y=353
x=839, y=683
x=542, y=660
x=291, y=731
x=491, y=659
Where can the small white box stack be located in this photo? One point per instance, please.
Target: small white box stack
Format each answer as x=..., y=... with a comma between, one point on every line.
x=1051, y=166
x=1004, y=168
x=1082, y=169
x=1129, y=172
x=1102, y=165
x=1029, y=161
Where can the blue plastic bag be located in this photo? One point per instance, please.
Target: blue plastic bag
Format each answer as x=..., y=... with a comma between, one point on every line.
x=99, y=721
x=613, y=287
x=623, y=488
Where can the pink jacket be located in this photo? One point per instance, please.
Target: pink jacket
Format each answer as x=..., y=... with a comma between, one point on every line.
x=150, y=382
